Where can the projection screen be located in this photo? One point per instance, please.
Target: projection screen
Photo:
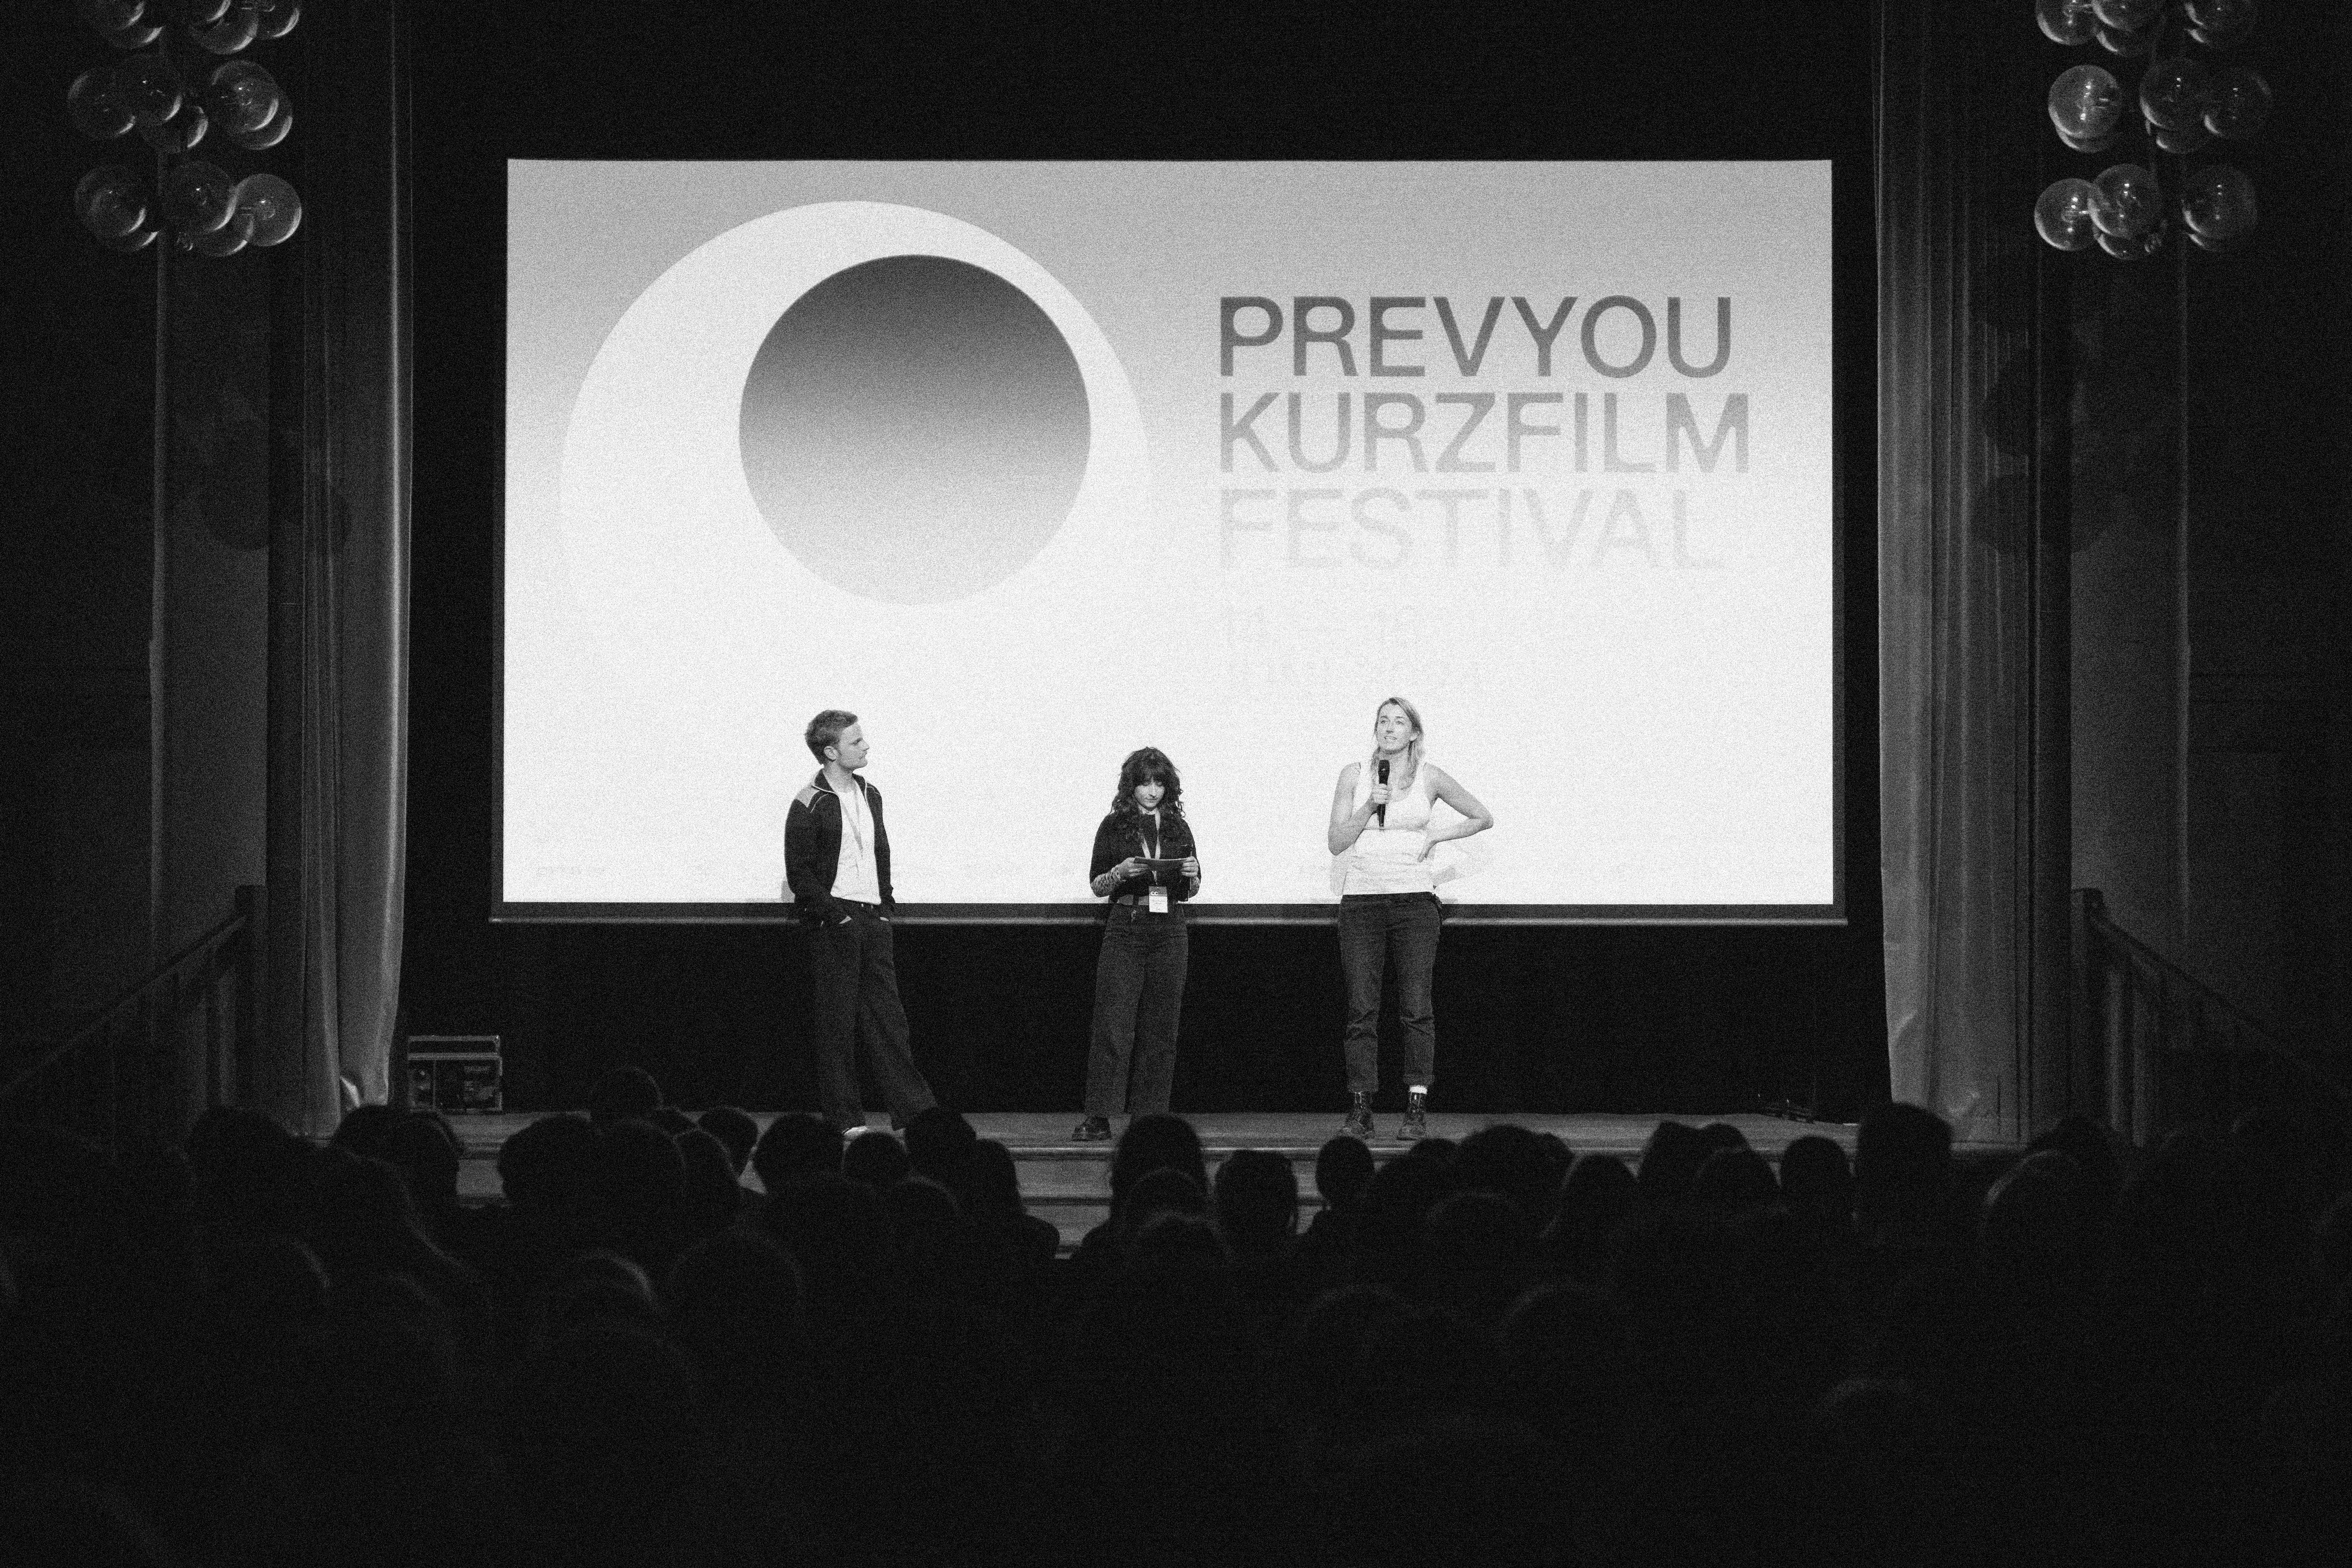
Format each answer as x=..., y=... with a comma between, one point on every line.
x=1029, y=465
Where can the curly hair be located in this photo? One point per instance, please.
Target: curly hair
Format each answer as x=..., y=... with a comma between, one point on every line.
x=1149, y=764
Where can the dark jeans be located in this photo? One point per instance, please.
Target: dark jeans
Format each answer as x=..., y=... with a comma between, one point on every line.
x=1374, y=928
x=1138, y=994
x=856, y=983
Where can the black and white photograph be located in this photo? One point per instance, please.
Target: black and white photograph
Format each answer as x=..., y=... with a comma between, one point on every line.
x=1283, y=786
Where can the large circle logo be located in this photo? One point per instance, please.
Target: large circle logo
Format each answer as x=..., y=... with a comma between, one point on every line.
x=914, y=429
x=839, y=427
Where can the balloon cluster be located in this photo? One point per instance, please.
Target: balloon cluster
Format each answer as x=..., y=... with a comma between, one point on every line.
x=2185, y=103
x=180, y=87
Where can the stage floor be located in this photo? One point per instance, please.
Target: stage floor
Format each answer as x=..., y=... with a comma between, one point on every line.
x=1069, y=1183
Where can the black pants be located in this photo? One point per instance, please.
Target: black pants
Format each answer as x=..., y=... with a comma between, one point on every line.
x=1139, y=996
x=1374, y=928
x=856, y=983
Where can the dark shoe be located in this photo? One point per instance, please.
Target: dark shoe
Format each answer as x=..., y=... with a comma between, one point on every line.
x=1359, y=1117
x=1415, y=1125
x=1093, y=1130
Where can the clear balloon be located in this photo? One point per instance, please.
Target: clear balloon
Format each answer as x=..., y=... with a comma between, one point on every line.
x=2222, y=22
x=2173, y=91
x=279, y=17
x=96, y=106
x=180, y=133
x=110, y=16
x=272, y=205
x=138, y=239
x=2088, y=143
x=2127, y=16
x=2186, y=139
x=112, y=200
x=2062, y=215
x=234, y=31
x=136, y=36
x=270, y=135
x=149, y=88
x=2130, y=46
x=226, y=240
x=2240, y=103
x=198, y=197
x=243, y=97
x=2131, y=247
x=2128, y=202
x=2068, y=21
x=2086, y=101
x=2217, y=201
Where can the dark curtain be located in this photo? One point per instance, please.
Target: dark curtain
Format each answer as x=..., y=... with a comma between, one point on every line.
x=338, y=584
x=1971, y=576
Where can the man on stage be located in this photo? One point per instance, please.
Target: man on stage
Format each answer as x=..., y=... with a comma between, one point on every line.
x=837, y=868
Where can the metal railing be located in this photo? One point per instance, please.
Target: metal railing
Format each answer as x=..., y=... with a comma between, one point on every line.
x=123, y=1076
x=2172, y=1052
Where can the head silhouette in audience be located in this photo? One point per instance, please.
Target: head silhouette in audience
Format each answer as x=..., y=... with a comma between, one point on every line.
x=1256, y=1204
x=1513, y=1163
x=1597, y=1197
x=938, y=1146
x=735, y=1130
x=1734, y=1180
x=363, y=1128
x=796, y=1146
x=1901, y=1168
x=1343, y=1171
x=876, y=1159
x=623, y=1093
x=710, y=1198
x=735, y=1302
x=1157, y=1142
x=1816, y=1182
x=1670, y=1162
x=2037, y=1220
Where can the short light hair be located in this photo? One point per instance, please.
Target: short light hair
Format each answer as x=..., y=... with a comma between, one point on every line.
x=826, y=729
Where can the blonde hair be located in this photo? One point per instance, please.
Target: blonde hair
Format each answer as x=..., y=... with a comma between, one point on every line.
x=1412, y=747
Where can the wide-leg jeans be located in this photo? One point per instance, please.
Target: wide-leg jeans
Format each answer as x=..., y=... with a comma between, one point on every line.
x=1139, y=996
x=854, y=970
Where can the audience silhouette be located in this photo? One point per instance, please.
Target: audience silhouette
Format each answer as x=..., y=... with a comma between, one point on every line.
x=250, y=1349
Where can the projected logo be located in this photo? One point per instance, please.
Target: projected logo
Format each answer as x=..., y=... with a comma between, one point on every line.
x=839, y=404
x=914, y=429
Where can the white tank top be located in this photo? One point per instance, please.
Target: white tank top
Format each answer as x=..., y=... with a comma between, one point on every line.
x=1390, y=858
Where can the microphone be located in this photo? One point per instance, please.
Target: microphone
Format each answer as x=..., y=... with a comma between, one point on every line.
x=1380, y=813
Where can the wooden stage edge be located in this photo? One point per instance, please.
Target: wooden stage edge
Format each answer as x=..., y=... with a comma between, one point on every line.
x=1033, y=1134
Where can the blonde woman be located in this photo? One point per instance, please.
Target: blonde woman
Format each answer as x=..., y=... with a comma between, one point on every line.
x=1381, y=834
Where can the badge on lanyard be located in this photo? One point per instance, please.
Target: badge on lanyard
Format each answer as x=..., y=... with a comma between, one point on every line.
x=1157, y=896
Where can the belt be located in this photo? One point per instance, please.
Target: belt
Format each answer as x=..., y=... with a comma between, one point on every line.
x=1140, y=901
x=856, y=904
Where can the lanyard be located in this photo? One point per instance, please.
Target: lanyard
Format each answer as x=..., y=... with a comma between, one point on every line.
x=849, y=815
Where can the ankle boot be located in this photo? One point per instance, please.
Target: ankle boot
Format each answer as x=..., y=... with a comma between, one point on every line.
x=1359, y=1117
x=1416, y=1121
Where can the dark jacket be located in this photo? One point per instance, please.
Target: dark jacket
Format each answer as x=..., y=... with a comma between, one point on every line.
x=812, y=849
x=1121, y=835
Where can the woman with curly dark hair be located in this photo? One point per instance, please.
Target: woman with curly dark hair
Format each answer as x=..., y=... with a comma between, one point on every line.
x=1146, y=866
